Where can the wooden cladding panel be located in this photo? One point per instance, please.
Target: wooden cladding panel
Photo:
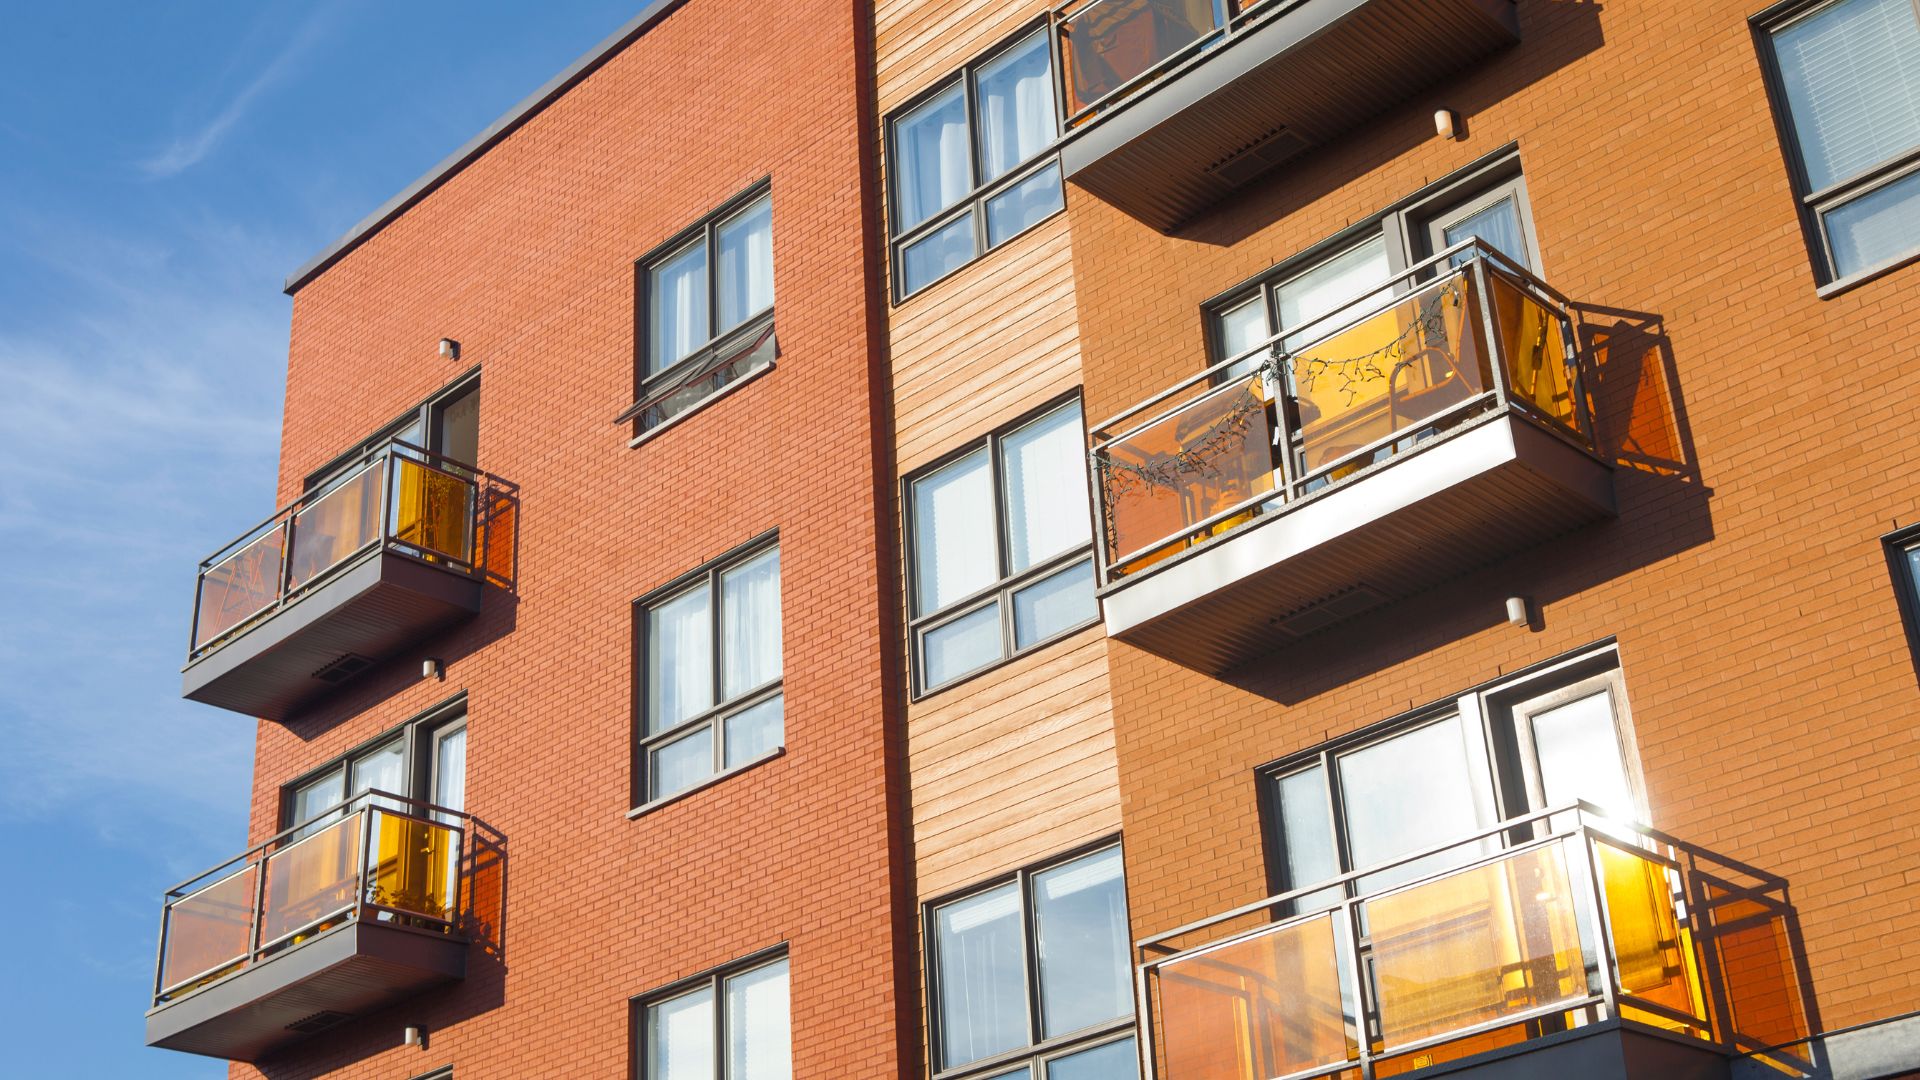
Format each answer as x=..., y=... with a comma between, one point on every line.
x=1014, y=766
x=918, y=42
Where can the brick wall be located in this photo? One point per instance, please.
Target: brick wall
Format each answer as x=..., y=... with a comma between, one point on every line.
x=527, y=257
x=1770, y=682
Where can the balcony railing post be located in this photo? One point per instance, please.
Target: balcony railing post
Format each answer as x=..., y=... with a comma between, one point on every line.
x=257, y=917
x=366, y=843
x=1706, y=945
x=1347, y=943
x=160, y=954
x=1281, y=394
x=1496, y=349
x=1143, y=996
x=1570, y=343
x=1602, y=939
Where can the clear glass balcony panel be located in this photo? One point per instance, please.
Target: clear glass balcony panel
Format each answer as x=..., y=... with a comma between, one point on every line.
x=1107, y=44
x=1477, y=946
x=239, y=586
x=336, y=525
x=1264, y=1006
x=310, y=885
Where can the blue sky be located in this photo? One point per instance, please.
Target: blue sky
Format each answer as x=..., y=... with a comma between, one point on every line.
x=163, y=166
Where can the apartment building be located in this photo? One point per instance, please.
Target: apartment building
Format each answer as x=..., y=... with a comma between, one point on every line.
x=1297, y=538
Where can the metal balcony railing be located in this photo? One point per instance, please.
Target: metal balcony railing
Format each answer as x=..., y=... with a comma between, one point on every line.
x=1537, y=924
x=1462, y=335
x=380, y=857
x=397, y=497
x=1109, y=50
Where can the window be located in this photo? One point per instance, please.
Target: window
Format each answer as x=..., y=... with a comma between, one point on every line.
x=448, y=424
x=731, y=1024
x=1032, y=977
x=1903, y=559
x=425, y=759
x=1000, y=548
x=967, y=163
x=1845, y=77
x=706, y=304
x=710, y=673
x=1541, y=740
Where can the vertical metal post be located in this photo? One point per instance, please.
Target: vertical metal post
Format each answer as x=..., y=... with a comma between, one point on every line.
x=1280, y=387
x=1496, y=349
x=258, y=915
x=1706, y=943
x=1149, y=1062
x=1603, y=940
x=286, y=556
x=160, y=954
x=193, y=627
x=366, y=842
x=1583, y=415
x=1347, y=943
x=1103, y=514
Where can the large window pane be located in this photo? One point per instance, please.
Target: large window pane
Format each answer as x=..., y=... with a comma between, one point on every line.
x=750, y=624
x=982, y=988
x=677, y=307
x=1340, y=282
x=1877, y=227
x=758, y=1037
x=1414, y=791
x=1579, y=754
x=930, y=158
x=936, y=254
x=1306, y=835
x=1016, y=106
x=382, y=770
x=1852, y=78
x=1242, y=327
x=679, y=659
x=680, y=1037
x=954, y=550
x=680, y=764
x=745, y=277
x=1045, y=470
x=1053, y=604
x=1110, y=1061
x=316, y=796
x=450, y=769
x=755, y=731
x=966, y=644
x=1497, y=225
x=1080, y=919
x=1024, y=205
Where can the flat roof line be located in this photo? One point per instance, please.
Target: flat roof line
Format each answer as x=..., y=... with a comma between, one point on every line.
x=653, y=12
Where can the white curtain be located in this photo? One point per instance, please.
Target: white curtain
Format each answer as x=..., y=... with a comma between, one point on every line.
x=1852, y=75
x=677, y=308
x=680, y=1038
x=982, y=994
x=954, y=549
x=1340, y=282
x=679, y=659
x=1016, y=106
x=1498, y=225
x=382, y=770
x=1046, y=478
x=931, y=159
x=746, y=263
x=759, y=1045
x=450, y=770
x=750, y=624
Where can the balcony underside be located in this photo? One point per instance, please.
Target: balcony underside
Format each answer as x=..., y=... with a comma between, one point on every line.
x=1266, y=94
x=345, y=972
x=365, y=613
x=1608, y=1050
x=1439, y=511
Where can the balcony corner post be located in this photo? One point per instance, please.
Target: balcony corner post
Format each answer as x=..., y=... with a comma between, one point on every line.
x=1496, y=349
x=1149, y=1062
x=1602, y=939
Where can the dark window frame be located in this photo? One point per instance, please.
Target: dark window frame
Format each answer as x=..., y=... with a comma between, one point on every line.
x=1001, y=591
x=1906, y=584
x=977, y=197
x=417, y=762
x=721, y=347
x=705, y=576
x=1404, y=228
x=427, y=413
x=1812, y=206
x=1494, y=712
x=1071, y=1042
x=716, y=978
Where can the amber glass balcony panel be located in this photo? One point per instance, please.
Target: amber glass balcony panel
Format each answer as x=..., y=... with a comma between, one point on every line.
x=334, y=526
x=1585, y=918
x=209, y=932
x=1207, y=456
x=433, y=510
x=1539, y=367
x=238, y=586
x=415, y=868
x=1107, y=45
x=1480, y=945
x=1273, y=1003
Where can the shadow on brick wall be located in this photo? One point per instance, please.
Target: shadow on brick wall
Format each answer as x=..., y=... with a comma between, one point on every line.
x=1642, y=427
x=1553, y=34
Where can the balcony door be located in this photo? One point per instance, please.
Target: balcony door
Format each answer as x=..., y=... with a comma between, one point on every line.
x=1496, y=216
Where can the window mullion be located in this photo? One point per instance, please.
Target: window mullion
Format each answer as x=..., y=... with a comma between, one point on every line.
x=715, y=618
x=718, y=986
x=1029, y=931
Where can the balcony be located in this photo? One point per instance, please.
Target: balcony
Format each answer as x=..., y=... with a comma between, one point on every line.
x=334, y=918
x=1557, y=944
x=346, y=576
x=1173, y=104
x=1428, y=430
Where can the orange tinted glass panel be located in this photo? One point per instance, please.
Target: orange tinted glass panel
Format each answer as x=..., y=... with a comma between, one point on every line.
x=1531, y=336
x=1651, y=960
x=1476, y=946
x=238, y=586
x=1264, y=1006
x=1109, y=43
x=433, y=510
x=414, y=867
x=207, y=931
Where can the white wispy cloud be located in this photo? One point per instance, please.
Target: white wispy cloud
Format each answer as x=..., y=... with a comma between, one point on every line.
x=187, y=150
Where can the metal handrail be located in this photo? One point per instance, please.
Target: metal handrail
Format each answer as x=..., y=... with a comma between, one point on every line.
x=1481, y=263
x=284, y=518
x=368, y=806
x=1578, y=823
